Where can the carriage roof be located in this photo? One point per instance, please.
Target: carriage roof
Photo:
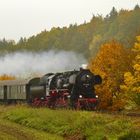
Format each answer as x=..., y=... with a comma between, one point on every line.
x=14, y=82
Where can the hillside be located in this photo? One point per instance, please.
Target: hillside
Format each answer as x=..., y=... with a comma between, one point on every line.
x=86, y=38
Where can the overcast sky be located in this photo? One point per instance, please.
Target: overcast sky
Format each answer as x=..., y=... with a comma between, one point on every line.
x=29, y=17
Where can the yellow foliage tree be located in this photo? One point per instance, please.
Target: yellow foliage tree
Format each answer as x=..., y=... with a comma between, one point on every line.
x=111, y=62
x=132, y=79
x=6, y=77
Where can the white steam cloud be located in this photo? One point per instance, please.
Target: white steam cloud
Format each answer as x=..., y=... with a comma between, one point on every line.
x=25, y=64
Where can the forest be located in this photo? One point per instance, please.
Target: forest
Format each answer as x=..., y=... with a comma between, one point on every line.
x=112, y=46
x=122, y=26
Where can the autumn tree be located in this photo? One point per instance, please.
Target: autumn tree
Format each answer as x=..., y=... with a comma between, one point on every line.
x=111, y=62
x=132, y=78
x=6, y=77
x=94, y=43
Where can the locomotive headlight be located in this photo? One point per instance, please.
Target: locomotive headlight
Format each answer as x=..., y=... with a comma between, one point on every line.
x=80, y=96
x=96, y=96
x=68, y=96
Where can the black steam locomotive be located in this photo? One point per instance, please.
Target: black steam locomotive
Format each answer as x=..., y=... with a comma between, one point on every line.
x=73, y=89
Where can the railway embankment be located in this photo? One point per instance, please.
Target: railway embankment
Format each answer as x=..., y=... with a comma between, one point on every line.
x=67, y=124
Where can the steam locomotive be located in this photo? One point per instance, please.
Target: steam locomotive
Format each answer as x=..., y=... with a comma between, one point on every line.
x=74, y=89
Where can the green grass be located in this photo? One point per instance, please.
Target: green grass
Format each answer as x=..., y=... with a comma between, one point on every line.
x=74, y=124
x=12, y=131
x=5, y=136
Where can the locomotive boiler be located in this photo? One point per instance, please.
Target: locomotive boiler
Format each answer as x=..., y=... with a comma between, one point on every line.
x=73, y=88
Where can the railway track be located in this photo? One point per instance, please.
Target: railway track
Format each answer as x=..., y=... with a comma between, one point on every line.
x=129, y=114
x=133, y=114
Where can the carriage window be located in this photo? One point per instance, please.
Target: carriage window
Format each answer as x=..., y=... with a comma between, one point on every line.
x=19, y=89
x=24, y=89
x=1, y=92
x=8, y=92
x=1, y=89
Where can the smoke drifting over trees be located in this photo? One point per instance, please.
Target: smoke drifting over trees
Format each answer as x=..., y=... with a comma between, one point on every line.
x=26, y=63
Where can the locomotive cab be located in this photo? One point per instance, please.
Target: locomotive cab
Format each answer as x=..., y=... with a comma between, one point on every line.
x=35, y=89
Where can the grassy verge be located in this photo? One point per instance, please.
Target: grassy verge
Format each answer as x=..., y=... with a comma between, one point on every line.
x=13, y=131
x=9, y=130
x=74, y=124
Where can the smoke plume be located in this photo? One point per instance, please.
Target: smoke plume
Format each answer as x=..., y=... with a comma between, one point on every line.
x=25, y=64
